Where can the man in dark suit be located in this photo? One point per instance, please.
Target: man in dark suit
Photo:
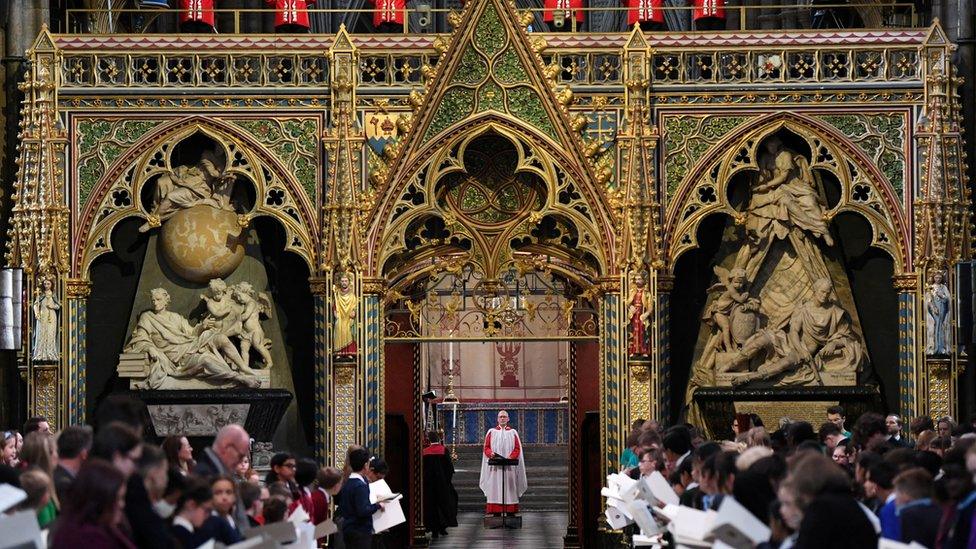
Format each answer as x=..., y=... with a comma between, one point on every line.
x=895, y=437
x=354, y=506
x=74, y=443
x=229, y=447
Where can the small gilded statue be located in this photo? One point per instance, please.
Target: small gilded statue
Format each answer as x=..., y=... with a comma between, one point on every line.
x=937, y=317
x=343, y=329
x=45, y=308
x=639, y=315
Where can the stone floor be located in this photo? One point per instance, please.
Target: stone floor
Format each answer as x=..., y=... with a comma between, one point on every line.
x=540, y=530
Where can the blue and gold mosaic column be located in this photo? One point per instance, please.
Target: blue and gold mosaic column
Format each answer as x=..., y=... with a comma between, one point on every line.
x=323, y=432
x=75, y=326
x=665, y=283
x=908, y=403
x=373, y=366
x=613, y=374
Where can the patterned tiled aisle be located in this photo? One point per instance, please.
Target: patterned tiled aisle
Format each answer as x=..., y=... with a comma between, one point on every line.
x=540, y=530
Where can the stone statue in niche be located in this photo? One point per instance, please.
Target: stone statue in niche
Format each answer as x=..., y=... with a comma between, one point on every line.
x=176, y=350
x=343, y=327
x=781, y=311
x=733, y=313
x=938, y=316
x=45, y=308
x=818, y=337
x=189, y=186
x=639, y=316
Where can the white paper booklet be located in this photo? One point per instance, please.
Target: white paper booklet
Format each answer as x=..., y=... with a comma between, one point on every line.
x=736, y=527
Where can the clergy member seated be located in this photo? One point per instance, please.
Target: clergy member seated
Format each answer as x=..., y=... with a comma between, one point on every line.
x=502, y=442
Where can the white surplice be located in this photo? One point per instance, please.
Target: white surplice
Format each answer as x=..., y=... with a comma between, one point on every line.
x=503, y=442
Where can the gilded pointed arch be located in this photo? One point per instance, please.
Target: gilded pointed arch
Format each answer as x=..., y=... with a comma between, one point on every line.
x=491, y=75
x=864, y=189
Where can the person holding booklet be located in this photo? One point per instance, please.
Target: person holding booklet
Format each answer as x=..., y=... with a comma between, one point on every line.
x=354, y=504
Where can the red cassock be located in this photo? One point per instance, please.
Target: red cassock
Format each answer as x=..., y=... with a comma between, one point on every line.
x=642, y=11
x=388, y=11
x=290, y=12
x=198, y=11
x=567, y=5
x=708, y=8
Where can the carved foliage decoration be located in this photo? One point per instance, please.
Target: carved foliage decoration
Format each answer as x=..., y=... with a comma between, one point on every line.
x=863, y=189
x=294, y=141
x=486, y=197
x=100, y=142
x=687, y=138
x=881, y=136
x=119, y=195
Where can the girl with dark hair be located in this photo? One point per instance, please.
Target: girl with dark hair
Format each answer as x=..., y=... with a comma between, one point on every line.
x=92, y=511
x=179, y=453
x=283, y=466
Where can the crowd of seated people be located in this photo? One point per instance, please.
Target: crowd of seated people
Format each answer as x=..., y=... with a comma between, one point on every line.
x=113, y=489
x=825, y=487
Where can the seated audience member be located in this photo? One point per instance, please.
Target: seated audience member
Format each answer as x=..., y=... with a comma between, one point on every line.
x=39, y=453
x=871, y=433
x=677, y=446
x=253, y=496
x=144, y=488
x=283, y=466
x=8, y=451
x=921, y=424
x=37, y=485
x=192, y=511
x=175, y=484
x=305, y=472
x=220, y=525
x=817, y=502
x=918, y=516
x=830, y=436
x=37, y=424
x=628, y=458
x=118, y=444
x=895, y=437
x=281, y=490
x=74, y=443
x=179, y=453
x=878, y=485
x=275, y=509
x=93, y=510
x=328, y=482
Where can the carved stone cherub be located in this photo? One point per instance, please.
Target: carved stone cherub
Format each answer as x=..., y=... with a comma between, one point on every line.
x=735, y=295
x=253, y=305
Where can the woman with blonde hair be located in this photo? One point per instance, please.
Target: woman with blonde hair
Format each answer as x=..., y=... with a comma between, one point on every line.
x=40, y=453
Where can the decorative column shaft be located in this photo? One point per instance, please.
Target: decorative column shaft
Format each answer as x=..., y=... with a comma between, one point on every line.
x=76, y=330
x=373, y=366
x=614, y=407
x=665, y=284
x=323, y=405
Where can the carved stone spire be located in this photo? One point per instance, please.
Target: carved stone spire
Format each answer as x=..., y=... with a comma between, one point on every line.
x=345, y=200
x=38, y=234
x=942, y=208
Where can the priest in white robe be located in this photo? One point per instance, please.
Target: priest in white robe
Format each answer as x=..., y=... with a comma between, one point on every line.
x=502, y=441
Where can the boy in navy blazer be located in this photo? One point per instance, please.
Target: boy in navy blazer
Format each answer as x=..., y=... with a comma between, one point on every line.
x=354, y=506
